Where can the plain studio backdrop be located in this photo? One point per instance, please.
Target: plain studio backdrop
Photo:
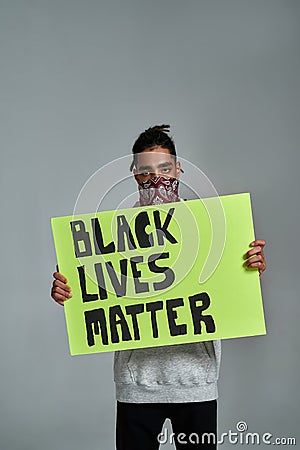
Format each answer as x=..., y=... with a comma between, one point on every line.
x=79, y=81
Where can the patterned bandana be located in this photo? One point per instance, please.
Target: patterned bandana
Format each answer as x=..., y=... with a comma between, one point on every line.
x=158, y=190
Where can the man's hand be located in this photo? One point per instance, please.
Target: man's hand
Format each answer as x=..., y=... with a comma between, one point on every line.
x=255, y=257
x=60, y=291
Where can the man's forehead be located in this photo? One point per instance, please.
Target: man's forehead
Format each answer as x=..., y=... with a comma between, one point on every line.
x=157, y=158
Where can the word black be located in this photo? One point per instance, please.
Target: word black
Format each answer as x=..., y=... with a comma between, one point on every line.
x=81, y=237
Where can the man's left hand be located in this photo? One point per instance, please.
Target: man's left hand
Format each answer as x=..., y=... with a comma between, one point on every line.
x=255, y=257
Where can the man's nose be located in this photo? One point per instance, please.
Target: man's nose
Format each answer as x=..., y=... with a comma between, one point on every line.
x=156, y=173
x=153, y=174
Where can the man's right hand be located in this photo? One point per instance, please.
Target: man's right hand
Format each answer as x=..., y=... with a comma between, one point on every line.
x=60, y=291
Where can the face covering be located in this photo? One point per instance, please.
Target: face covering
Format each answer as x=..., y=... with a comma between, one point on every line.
x=158, y=190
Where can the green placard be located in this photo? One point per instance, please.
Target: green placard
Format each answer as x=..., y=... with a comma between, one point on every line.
x=159, y=275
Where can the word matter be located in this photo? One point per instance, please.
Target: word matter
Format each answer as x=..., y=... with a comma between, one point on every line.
x=97, y=320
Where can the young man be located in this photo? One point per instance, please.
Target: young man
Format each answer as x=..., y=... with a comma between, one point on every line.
x=177, y=381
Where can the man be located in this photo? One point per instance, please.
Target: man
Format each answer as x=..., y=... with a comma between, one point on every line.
x=177, y=381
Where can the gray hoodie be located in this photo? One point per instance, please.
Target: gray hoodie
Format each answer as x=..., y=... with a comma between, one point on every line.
x=168, y=374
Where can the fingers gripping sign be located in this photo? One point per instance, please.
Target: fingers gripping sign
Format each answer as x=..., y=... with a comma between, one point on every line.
x=255, y=257
x=60, y=291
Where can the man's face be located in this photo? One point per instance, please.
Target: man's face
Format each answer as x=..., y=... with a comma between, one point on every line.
x=155, y=162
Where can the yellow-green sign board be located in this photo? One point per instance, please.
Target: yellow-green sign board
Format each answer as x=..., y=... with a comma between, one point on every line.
x=159, y=275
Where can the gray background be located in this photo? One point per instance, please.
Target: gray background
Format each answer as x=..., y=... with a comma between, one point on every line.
x=79, y=81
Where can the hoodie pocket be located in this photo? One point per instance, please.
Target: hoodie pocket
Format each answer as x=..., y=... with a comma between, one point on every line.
x=122, y=372
x=184, y=364
x=212, y=372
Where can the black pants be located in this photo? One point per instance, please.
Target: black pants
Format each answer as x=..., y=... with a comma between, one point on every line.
x=139, y=425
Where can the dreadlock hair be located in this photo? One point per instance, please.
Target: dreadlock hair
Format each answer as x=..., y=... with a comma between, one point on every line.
x=153, y=137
